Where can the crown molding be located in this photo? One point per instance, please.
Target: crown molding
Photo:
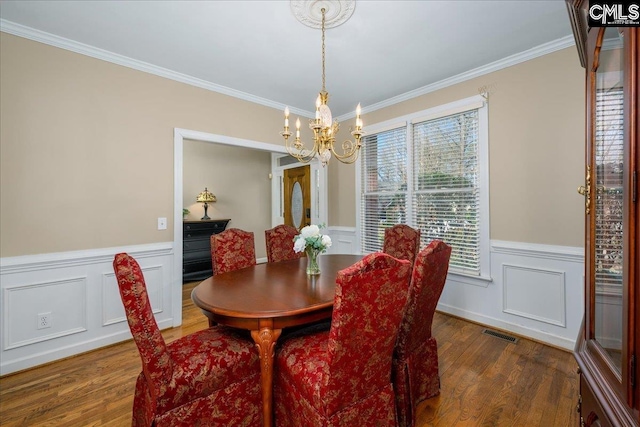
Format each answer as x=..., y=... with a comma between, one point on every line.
x=518, y=58
x=94, y=52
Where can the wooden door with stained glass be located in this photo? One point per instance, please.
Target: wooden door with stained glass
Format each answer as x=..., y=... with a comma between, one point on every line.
x=297, y=196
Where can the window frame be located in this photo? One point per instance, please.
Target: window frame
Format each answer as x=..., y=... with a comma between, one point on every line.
x=475, y=102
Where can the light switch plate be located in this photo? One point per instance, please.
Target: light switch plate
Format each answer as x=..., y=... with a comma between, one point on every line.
x=162, y=223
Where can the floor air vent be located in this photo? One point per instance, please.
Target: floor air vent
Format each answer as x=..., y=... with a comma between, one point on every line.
x=500, y=335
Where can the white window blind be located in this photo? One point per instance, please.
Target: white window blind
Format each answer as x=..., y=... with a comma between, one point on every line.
x=446, y=197
x=609, y=145
x=384, y=185
x=430, y=174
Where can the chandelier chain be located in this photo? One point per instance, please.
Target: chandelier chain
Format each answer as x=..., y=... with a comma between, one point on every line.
x=323, y=80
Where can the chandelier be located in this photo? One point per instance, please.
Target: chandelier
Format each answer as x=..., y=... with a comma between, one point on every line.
x=324, y=129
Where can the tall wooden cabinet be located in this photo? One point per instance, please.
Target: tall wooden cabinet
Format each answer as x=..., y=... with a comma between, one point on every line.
x=609, y=343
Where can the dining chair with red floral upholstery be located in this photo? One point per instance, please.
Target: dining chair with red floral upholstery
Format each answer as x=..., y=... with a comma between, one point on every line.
x=208, y=378
x=342, y=376
x=231, y=250
x=402, y=241
x=415, y=360
x=279, y=240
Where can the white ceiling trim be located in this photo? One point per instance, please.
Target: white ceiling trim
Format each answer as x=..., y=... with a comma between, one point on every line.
x=532, y=53
x=94, y=52
x=84, y=49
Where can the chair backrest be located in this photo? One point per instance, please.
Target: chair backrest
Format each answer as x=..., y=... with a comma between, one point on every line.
x=427, y=281
x=279, y=242
x=156, y=361
x=231, y=250
x=368, y=307
x=402, y=242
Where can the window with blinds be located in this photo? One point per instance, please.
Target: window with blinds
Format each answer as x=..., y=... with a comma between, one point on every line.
x=384, y=185
x=609, y=134
x=445, y=198
x=426, y=173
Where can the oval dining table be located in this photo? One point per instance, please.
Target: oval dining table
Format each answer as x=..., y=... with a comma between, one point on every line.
x=265, y=299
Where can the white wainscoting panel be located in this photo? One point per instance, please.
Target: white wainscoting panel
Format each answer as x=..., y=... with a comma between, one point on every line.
x=534, y=293
x=343, y=240
x=80, y=292
x=64, y=301
x=112, y=309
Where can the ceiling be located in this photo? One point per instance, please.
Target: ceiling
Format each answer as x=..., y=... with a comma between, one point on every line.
x=258, y=50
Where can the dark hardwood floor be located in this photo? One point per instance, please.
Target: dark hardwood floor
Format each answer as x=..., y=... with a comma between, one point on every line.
x=485, y=382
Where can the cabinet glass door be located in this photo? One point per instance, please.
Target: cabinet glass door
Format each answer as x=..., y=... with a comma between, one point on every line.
x=608, y=173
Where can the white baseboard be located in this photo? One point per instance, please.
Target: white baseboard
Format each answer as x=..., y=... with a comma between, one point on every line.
x=53, y=354
x=534, y=334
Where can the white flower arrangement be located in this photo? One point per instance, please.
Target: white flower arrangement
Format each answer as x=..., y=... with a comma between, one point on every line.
x=310, y=238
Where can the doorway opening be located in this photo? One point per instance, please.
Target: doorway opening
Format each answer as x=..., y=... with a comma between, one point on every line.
x=279, y=162
x=299, y=192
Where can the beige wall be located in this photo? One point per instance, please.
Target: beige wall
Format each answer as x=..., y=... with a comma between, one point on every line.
x=536, y=149
x=86, y=148
x=239, y=178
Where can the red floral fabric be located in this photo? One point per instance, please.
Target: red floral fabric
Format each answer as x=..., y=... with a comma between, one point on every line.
x=342, y=377
x=280, y=243
x=415, y=361
x=208, y=378
x=402, y=242
x=231, y=250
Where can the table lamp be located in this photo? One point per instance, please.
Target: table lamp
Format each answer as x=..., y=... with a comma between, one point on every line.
x=206, y=197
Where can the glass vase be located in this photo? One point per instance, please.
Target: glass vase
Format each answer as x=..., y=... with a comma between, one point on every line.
x=312, y=261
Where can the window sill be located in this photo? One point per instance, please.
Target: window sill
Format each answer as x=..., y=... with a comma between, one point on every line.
x=482, y=281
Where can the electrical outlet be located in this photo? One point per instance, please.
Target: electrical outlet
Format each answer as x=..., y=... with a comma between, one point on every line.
x=44, y=320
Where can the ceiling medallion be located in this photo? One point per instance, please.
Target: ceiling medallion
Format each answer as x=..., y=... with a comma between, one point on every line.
x=309, y=12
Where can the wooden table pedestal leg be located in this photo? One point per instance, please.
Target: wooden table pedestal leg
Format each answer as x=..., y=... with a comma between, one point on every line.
x=265, y=340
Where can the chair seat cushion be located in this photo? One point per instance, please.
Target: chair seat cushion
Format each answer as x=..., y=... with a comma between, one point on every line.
x=302, y=360
x=206, y=361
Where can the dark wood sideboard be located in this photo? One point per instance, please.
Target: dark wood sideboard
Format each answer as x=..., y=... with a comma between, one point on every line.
x=196, y=247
